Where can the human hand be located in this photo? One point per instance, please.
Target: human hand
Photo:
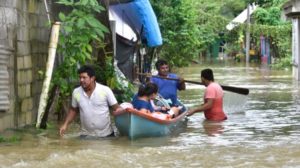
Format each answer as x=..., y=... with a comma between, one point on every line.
x=181, y=80
x=164, y=108
x=189, y=113
x=148, y=75
x=175, y=110
x=118, y=111
x=181, y=83
x=62, y=130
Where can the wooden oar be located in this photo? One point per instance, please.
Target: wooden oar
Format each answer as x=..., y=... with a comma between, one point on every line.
x=238, y=90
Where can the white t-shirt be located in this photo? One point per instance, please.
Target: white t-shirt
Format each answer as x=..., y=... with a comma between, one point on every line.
x=94, y=110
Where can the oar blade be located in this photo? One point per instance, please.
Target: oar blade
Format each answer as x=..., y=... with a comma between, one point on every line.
x=243, y=91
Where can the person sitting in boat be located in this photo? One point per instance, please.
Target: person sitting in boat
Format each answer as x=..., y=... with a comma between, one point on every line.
x=167, y=88
x=145, y=94
x=159, y=104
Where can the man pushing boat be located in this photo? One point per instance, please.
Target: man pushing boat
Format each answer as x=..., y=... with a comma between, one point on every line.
x=213, y=98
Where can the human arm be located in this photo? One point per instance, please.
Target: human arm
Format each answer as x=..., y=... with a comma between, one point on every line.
x=163, y=109
x=70, y=117
x=207, y=105
x=181, y=85
x=117, y=109
x=112, y=102
x=158, y=108
x=174, y=111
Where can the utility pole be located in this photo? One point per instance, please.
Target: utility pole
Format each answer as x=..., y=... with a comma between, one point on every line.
x=248, y=34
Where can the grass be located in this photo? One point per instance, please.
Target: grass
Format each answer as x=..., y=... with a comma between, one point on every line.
x=9, y=139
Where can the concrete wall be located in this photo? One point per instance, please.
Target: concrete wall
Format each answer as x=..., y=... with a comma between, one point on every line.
x=24, y=34
x=292, y=10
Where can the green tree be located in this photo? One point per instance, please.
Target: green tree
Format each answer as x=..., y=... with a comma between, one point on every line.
x=267, y=3
x=80, y=32
x=180, y=31
x=268, y=22
x=189, y=27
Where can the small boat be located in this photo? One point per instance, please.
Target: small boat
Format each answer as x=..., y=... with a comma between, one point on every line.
x=136, y=124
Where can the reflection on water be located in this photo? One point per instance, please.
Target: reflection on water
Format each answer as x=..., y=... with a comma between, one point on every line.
x=213, y=128
x=262, y=130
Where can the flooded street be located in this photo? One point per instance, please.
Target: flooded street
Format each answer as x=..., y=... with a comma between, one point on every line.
x=262, y=130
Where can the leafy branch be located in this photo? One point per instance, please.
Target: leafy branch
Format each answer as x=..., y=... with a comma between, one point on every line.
x=80, y=33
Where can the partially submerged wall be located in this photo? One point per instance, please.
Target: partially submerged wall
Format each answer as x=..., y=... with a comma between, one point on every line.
x=24, y=36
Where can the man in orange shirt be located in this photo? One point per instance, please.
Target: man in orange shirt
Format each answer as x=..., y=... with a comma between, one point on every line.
x=213, y=98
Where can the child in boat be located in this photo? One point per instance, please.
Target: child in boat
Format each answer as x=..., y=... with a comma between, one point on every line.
x=146, y=93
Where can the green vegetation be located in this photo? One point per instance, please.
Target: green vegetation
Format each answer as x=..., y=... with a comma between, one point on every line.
x=9, y=139
x=268, y=22
x=81, y=35
x=123, y=89
x=190, y=27
x=81, y=38
x=180, y=31
x=28, y=132
x=80, y=32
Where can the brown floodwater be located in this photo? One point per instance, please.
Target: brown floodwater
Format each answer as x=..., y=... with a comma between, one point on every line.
x=262, y=130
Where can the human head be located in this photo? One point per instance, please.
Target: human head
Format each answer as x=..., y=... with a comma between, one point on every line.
x=162, y=67
x=87, y=69
x=148, y=89
x=207, y=75
x=160, y=62
x=87, y=77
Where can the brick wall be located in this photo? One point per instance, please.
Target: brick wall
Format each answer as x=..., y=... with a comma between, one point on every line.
x=24, y=32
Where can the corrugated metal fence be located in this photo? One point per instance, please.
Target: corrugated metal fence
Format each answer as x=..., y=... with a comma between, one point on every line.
x=5, y=53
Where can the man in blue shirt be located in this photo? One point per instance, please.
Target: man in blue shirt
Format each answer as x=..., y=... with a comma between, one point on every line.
x=167, y=88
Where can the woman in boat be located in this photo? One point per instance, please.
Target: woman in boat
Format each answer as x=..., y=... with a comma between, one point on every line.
x=145, y=94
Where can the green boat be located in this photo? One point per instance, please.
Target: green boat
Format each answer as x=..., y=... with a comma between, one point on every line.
x=136, y=124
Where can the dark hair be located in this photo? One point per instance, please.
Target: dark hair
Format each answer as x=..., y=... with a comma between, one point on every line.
x=148, y=89
x=207, y=74
x=160, y=63
x=87, y=69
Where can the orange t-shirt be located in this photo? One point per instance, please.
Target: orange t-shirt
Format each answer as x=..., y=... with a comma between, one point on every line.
x=215, y=92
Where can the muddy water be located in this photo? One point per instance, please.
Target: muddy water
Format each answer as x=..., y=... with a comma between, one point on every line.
x=262, y=130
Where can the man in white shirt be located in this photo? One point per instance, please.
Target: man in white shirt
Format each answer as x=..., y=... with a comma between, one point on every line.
x=92, y=100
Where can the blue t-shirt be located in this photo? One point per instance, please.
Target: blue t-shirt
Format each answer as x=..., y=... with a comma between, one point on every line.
x=142, y=104
x=167, y=88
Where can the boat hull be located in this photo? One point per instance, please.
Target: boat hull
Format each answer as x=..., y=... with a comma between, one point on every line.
x=135, y=124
